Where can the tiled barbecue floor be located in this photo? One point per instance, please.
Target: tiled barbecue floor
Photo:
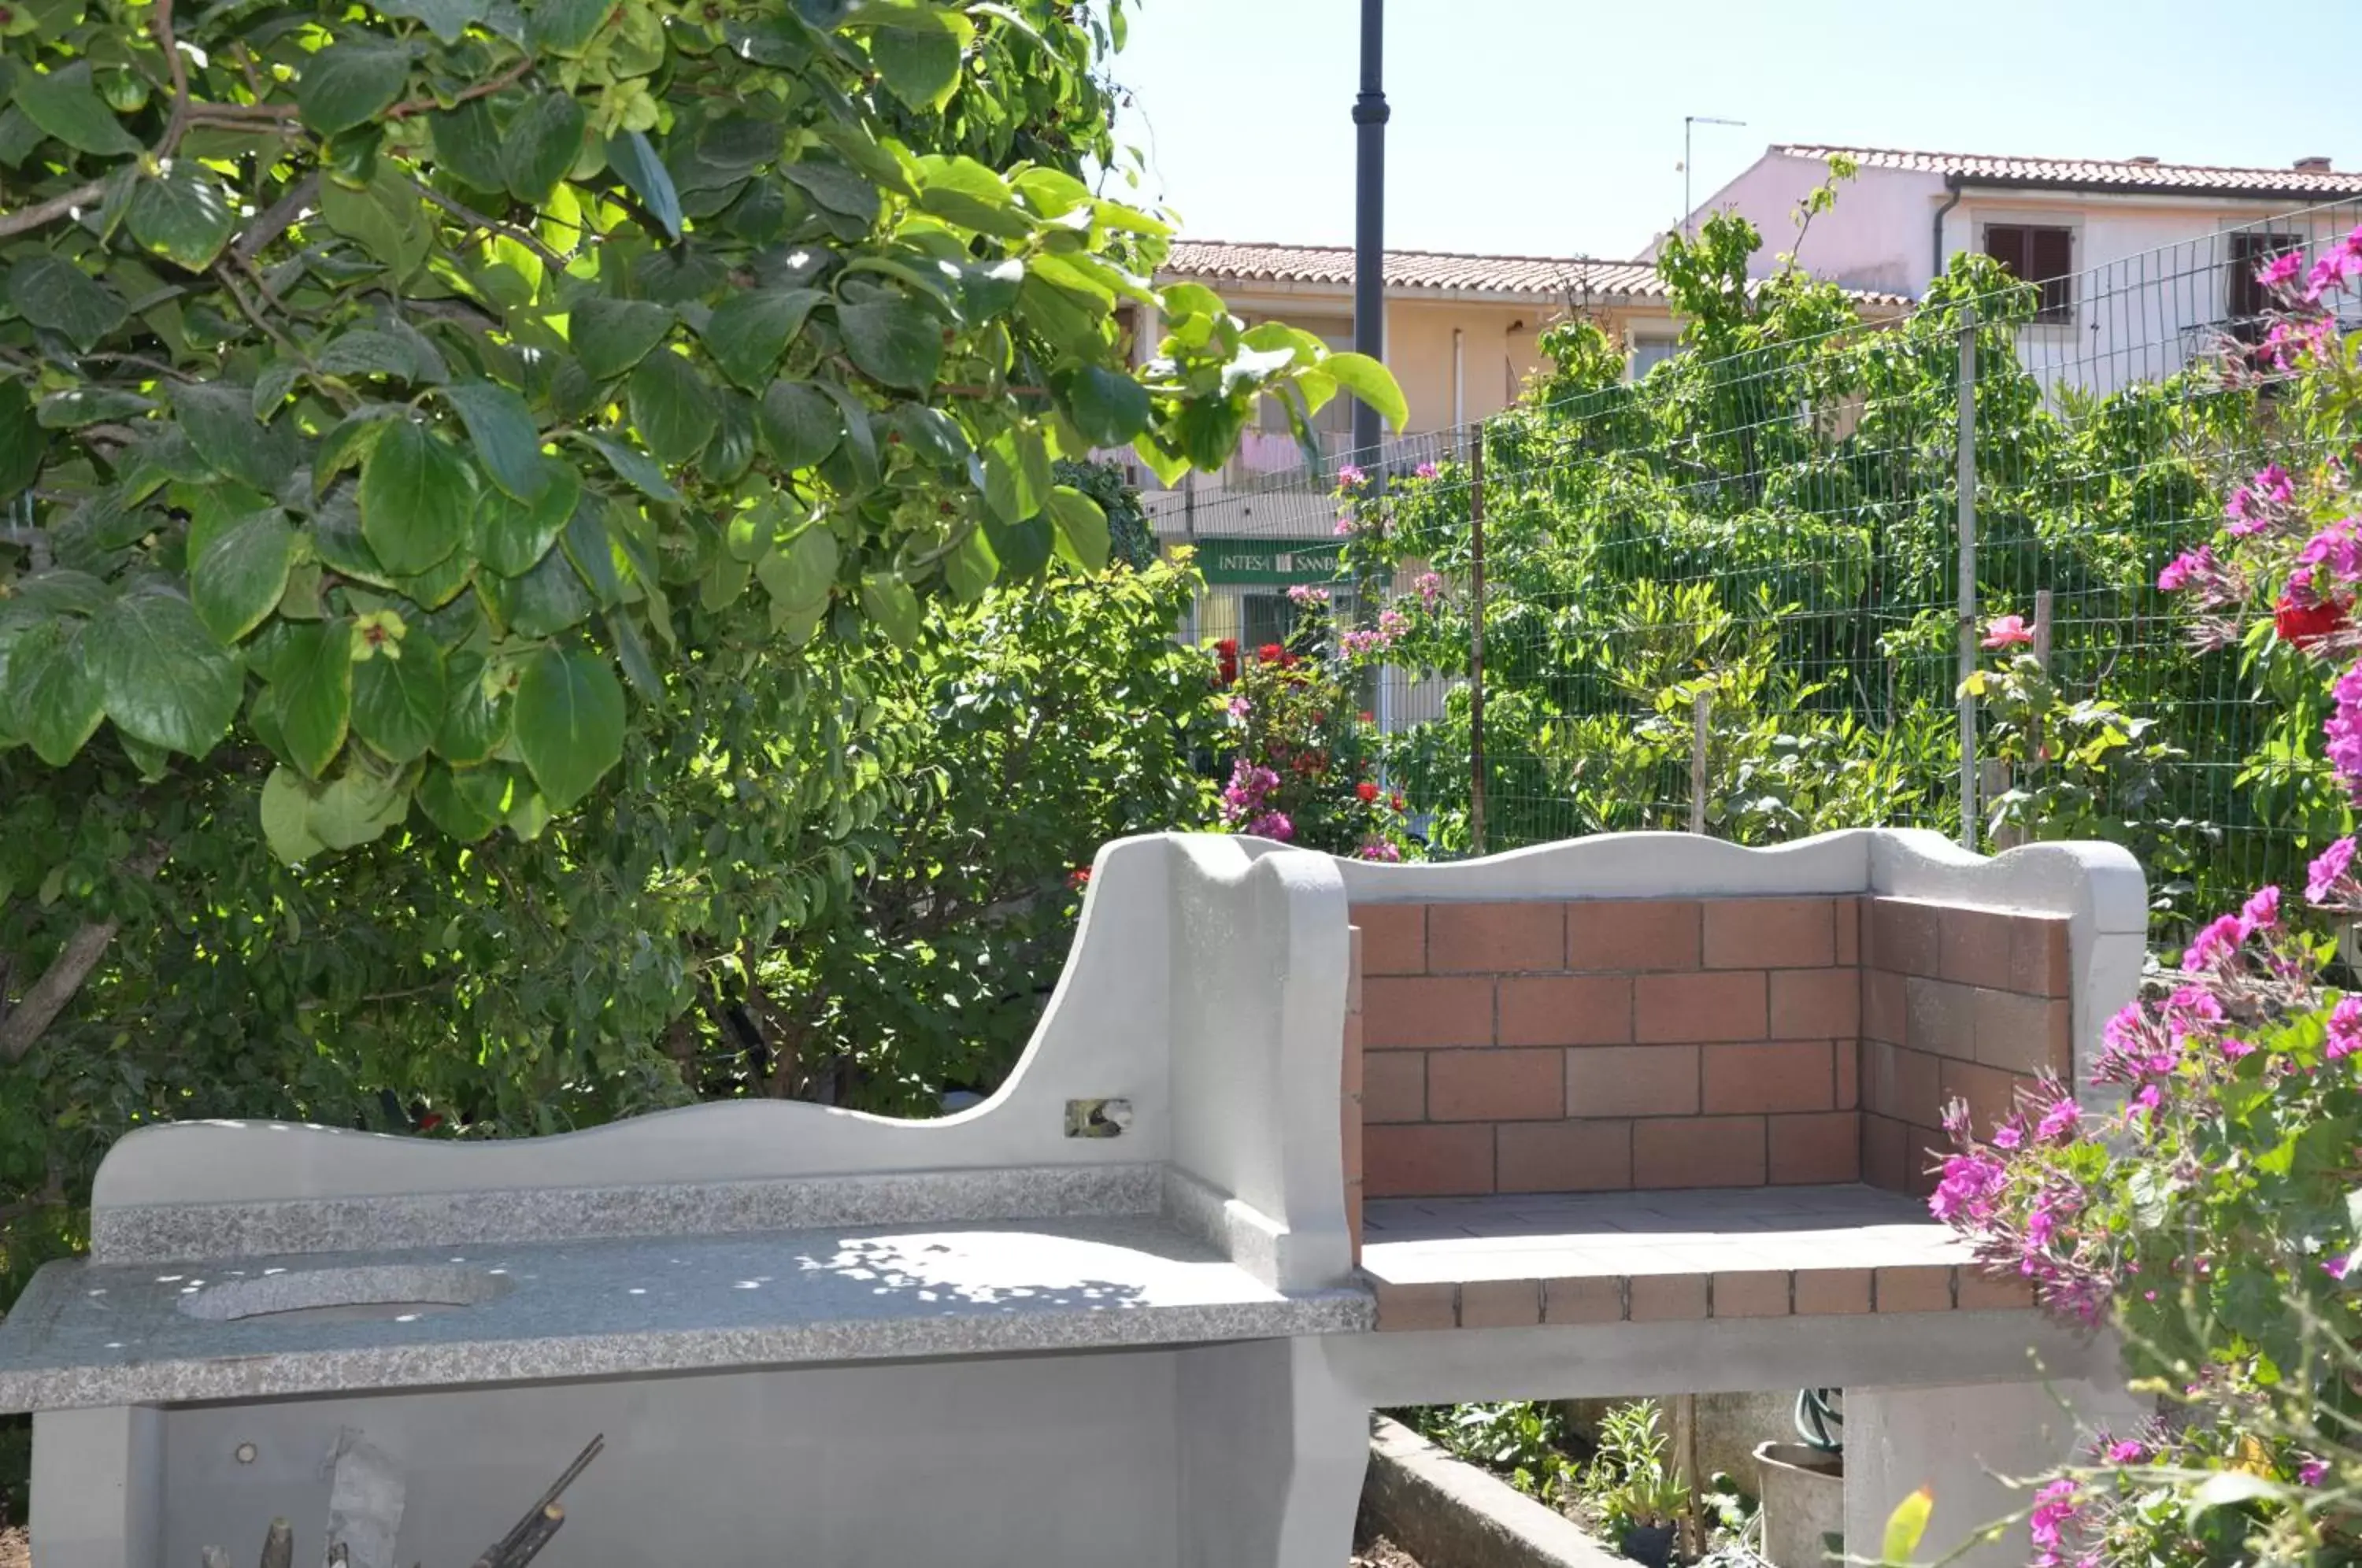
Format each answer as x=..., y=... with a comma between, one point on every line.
x=1708, y=1230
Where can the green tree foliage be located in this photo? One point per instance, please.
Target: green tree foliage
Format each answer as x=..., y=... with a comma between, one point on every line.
x=474, y=474
x=1768, y=521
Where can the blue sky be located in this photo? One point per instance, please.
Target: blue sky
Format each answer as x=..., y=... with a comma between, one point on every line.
x=1554, y=127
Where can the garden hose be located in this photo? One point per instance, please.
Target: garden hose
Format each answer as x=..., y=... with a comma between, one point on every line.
x=1819, y=1421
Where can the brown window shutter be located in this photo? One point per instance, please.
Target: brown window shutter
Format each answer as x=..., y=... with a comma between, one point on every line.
x=2005, y=243
x=2053, y=253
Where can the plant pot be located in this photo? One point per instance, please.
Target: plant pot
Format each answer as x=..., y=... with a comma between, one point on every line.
x=1651, y=1544
x=1803, y=1491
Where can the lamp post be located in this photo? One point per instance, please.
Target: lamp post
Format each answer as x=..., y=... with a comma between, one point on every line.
x=1687, y=121
x=1370, y=218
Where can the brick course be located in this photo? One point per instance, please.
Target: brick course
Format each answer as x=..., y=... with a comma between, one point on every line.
x=1597, y=1044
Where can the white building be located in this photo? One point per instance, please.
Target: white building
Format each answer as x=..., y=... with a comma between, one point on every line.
x=2141, y=260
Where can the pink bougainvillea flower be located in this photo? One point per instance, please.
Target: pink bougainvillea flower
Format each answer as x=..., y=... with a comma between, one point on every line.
x=1378, y=849
x=2345, y=1029
x=1344, y=528
x=2325, y=877
x=1350, y=476
x=1425, y=470
x=2189, y=566
x=2216, y=942
x=2008, y=631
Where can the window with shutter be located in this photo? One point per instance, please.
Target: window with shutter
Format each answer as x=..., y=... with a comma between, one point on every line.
x=2039, y=254
x=2249, y=250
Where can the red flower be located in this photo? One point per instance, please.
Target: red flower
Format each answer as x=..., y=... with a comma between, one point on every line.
x=1365, y=717
x=1226, y=655
x=1367, y=791
x=428, y=1123
x=1079, y=878
x=1272, y=652
x=1396, y=803
x=2300, y=624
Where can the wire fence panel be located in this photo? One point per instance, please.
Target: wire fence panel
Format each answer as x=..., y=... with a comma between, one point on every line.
x=1774, y=538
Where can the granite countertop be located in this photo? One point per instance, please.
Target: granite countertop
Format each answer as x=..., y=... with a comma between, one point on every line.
x=99, y=1334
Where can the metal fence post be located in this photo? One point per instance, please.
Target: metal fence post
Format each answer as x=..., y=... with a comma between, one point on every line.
x=1476, y=643
x=1697, y=761
x=1966, y=484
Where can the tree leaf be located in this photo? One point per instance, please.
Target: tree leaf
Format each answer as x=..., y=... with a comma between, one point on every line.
x=357, y=807
x=287, y=817
x=1372, y=383
x=167, y=681
x=54, y=699
x=1016, y=476
x=799, y=574
x=183, y=215
x=888, y=601
x=219, y=422
x=398, y=703
x=1082, y=528
x=1905, y=1526
x=350, y=82
x=547, y=599
x=565, y=27
x=475, y=718
x=636, y=163
x=512, y=535
x=568, y=722
x=748, y=332
x=65, y=104
x=964, y=191
x=893, y=340
x=446, y=19
x=505, y=435
x=609, y=336
x=921, y=66
x=384, y=218
x=415, y=495
x=52, y=292
x=1108, y=407
x=834, y=187
x=312, y=688
x=798, y=422
x=449, y=807
x=237, y=570
x=672, y=408
x=468, y=144
x=542, y=143
x=23, y=443
x=635, y=469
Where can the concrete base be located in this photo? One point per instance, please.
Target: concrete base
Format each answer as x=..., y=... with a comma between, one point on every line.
x=1453, y=1515
x=1227, y=1456
x=1964, y=1444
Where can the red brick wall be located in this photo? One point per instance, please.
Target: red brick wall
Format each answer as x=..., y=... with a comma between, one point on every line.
x=1955, y=1003
x=1602, y=1045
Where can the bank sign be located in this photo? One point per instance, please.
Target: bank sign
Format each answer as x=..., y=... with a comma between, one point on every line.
x=1268, y=560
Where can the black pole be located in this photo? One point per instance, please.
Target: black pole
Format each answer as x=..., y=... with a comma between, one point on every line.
x=1370, y=219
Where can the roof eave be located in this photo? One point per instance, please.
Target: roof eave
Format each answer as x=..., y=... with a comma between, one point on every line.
x=1963, y=180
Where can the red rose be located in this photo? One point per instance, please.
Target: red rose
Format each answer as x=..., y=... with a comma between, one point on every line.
x=1396, y=803
x=1271, y=653
x=2300, y=624
x=1079, y=878
x=1367, y=791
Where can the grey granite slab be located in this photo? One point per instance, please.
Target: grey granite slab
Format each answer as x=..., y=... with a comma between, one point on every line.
x=90, y=1334
x=161, y=1233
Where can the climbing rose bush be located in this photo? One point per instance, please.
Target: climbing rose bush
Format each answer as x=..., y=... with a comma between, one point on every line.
x=2213, y=1212
x=1302, y=763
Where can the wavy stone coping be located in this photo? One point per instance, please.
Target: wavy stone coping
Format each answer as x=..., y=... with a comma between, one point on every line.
x=166, y=1232
x=104, y=1334
x=1516, y=1261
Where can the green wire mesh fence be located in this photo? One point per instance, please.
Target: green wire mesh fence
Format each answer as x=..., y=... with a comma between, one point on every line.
x=1732, y=594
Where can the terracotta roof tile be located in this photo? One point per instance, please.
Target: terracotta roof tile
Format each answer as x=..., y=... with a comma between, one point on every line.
x=1552, y=277
x=2113, y=173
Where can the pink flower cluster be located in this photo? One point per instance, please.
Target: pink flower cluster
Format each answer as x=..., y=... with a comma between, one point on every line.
x=2342, y=729
x=1251, y=785
x=1303, y=595
x=1430, y=589
x=2255, y=505
x=1391, y=627
x=1378, y=849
